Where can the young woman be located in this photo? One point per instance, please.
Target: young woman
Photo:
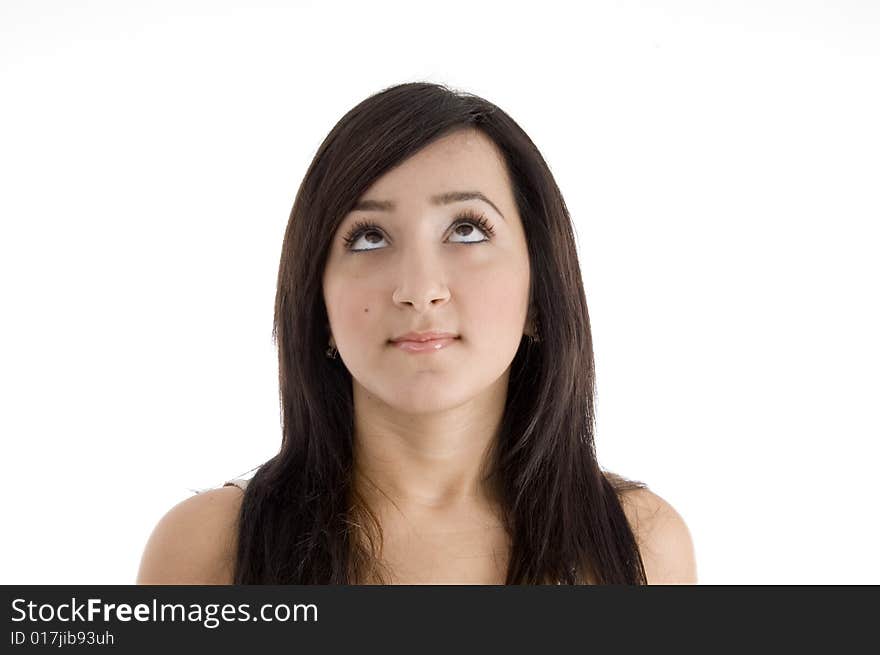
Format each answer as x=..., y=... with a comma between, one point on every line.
x=436, y=380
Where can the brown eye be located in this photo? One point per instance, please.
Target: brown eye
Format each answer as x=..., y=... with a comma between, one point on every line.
x=359, y=229
x=470, y=220
x=467, y=229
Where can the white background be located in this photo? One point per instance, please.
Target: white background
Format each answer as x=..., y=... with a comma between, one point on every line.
x=720, y=159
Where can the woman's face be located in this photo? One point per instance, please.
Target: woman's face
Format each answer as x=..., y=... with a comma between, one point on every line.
x=423, y=268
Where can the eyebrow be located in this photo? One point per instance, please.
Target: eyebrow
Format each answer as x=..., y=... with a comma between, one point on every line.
x=440, y=199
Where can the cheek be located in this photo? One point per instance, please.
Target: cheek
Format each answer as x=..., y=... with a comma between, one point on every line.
x=496, y=305
x=352, y=306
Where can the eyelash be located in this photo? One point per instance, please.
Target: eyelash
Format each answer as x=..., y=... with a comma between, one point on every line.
x=467, y=216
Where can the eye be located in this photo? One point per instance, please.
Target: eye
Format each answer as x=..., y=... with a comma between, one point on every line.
x=371, y=232
x=469, y=218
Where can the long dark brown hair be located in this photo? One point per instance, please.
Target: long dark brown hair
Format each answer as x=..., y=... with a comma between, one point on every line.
x=302, y=520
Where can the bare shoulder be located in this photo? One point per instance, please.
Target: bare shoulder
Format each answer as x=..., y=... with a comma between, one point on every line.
x=664, y=539
x=194, y=542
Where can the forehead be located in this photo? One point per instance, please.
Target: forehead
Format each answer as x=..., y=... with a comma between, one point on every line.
x=465, y=159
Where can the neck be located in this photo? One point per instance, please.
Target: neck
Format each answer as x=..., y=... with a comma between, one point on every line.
x=433, y=463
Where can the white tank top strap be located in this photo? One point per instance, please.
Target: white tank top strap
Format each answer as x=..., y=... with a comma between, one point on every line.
x=241, y=483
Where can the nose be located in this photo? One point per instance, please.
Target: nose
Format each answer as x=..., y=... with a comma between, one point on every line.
x=422, y=283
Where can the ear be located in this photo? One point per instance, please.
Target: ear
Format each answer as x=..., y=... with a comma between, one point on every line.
x=330, y=332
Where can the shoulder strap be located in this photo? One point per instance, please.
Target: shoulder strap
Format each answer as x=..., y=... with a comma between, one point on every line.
x=238, y=482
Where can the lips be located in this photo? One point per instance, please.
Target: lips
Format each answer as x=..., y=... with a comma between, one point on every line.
x=426, y=346
x=422, y=337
